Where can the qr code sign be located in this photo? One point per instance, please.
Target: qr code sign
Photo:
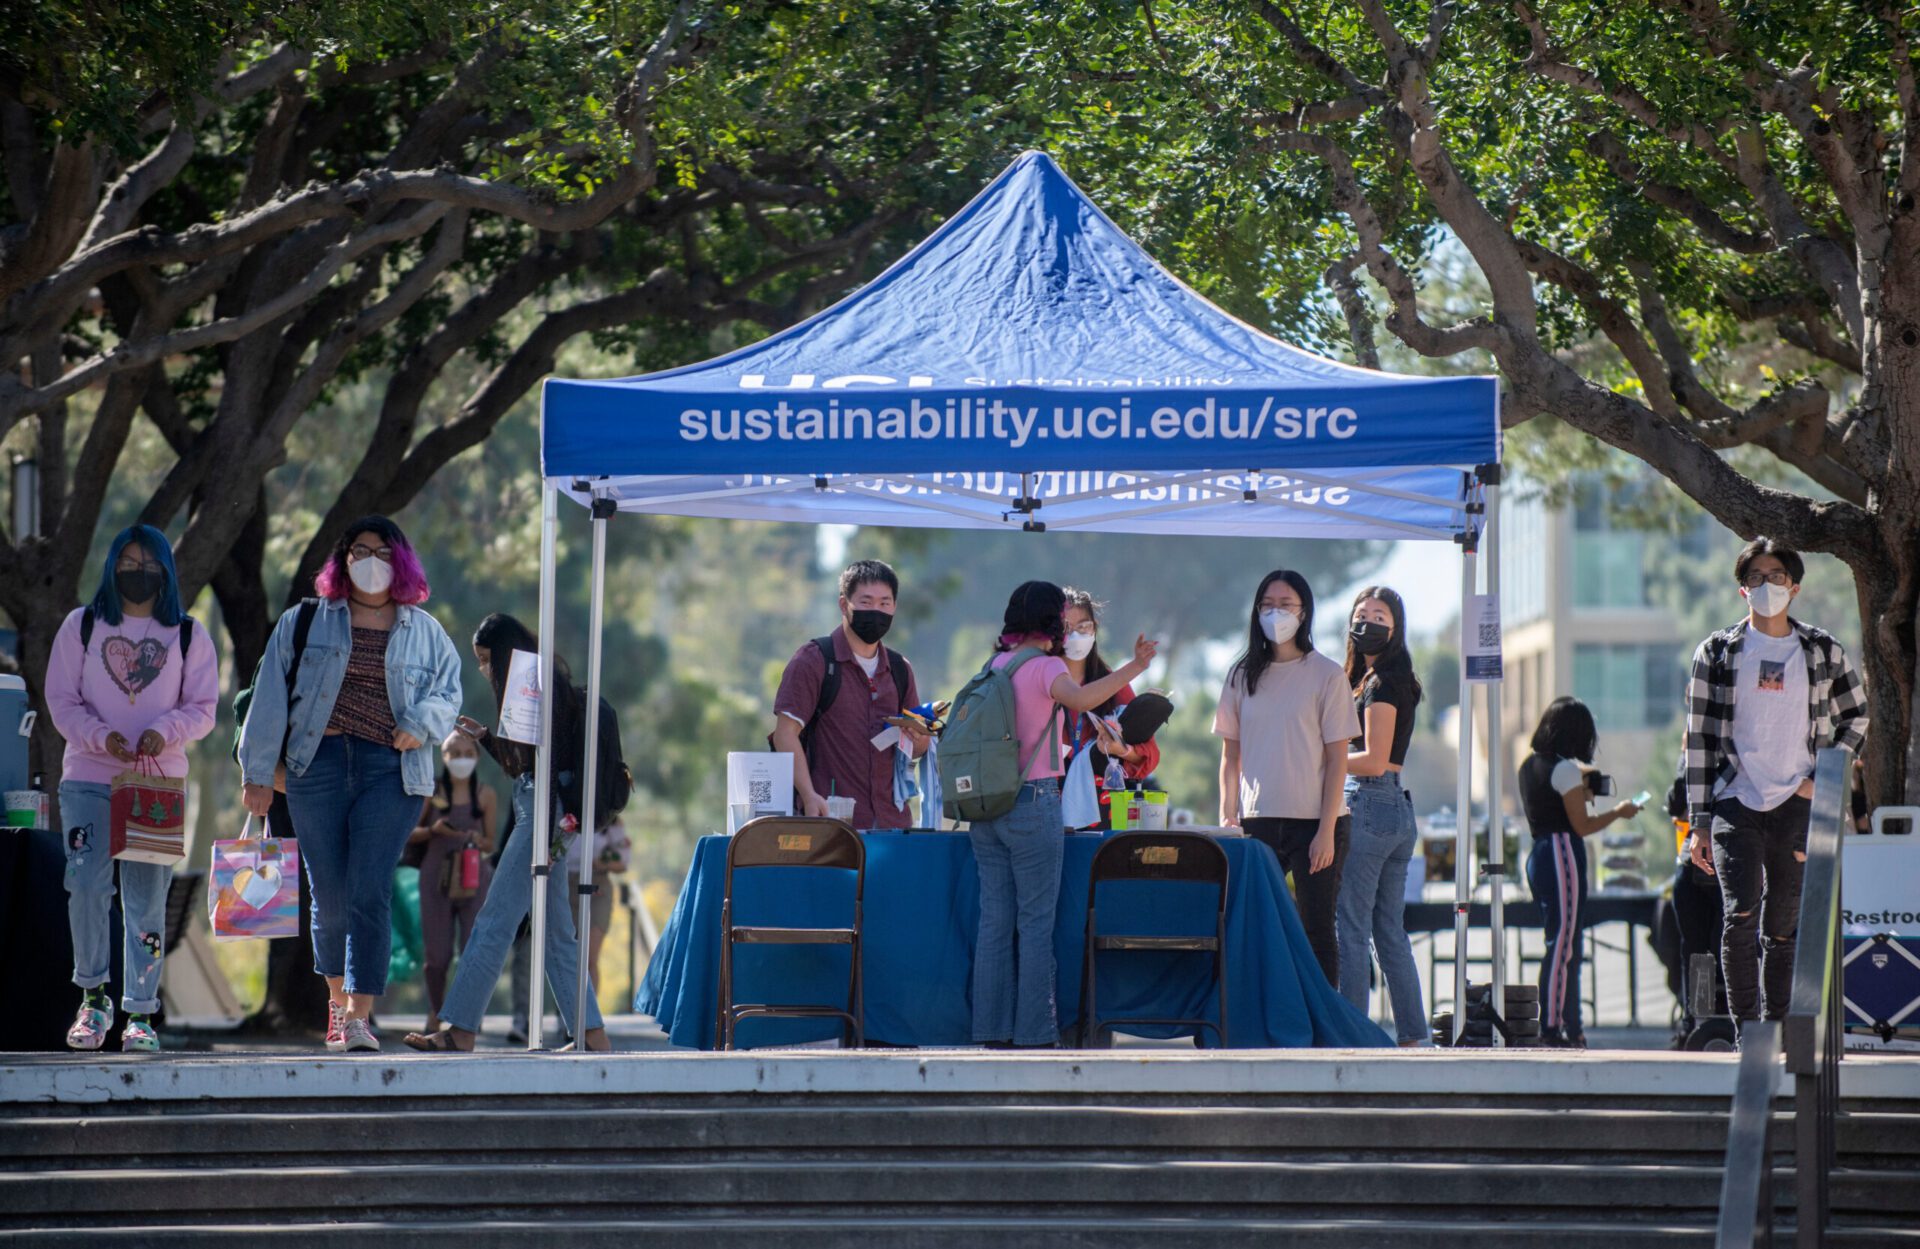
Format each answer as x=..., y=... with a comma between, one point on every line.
x=760, y=790
x=1490, y=634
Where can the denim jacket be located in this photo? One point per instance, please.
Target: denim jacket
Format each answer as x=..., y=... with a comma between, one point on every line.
x=423, y=686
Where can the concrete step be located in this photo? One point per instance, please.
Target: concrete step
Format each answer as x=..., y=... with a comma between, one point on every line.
x=718, y=1132
x=953, y=1233
x=1244, y=1187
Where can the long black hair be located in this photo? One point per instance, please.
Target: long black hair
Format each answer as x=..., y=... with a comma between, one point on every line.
x=1395, y=662
x=1566, y=731
x=501, y=635
x=1253, y=662
x=1096, y=664
x=1034, y=607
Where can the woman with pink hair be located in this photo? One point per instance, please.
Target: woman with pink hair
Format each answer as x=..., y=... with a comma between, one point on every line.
x=353, y=689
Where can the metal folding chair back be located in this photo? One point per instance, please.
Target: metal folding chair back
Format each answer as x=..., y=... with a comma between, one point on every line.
x=1187, y=858
x=790, y=841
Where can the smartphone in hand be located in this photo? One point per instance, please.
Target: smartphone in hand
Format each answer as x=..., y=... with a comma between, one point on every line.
x=471, y=727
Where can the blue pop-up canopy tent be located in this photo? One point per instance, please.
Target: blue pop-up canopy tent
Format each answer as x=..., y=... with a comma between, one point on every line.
x=1029, y=367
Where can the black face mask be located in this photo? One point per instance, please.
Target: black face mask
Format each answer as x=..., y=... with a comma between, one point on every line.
x=1370, y=638
x=870, y=626
x=139, y=585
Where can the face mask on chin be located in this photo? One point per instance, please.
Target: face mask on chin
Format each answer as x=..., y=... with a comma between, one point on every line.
x=1078, y=646
x=1769, y=599
x=461, y=769
x=370, y=576
x=1279, y=625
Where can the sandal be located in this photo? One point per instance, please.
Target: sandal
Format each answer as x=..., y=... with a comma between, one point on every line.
x=440, y=1042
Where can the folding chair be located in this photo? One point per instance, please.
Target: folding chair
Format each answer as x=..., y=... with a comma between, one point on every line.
x=783, y=841
x=1187, y=857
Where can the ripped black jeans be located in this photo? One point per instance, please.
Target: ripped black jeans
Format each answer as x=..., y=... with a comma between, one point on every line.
x=1755, y=857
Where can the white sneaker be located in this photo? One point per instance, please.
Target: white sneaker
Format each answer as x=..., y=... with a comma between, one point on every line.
x=336, y=1027
x=360, y=1037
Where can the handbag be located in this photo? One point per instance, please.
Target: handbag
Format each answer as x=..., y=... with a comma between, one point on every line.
x=254, y=892
x=1079, y=804
x=148, y=815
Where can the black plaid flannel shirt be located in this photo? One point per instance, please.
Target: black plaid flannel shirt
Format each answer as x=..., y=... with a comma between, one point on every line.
x=1836, y=709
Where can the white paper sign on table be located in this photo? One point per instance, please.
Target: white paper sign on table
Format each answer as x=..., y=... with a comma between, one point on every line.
x=520, y=708
x=758, y=783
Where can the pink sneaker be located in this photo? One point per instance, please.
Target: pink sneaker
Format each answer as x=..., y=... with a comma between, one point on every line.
x=360, y=1036
x=336, y=1028
x=90, y=1027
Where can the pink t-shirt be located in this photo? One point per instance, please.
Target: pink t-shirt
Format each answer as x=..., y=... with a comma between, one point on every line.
x=1034, y=708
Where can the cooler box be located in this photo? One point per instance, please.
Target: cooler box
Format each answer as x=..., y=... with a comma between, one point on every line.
x=1880, y=981
x=13, y=745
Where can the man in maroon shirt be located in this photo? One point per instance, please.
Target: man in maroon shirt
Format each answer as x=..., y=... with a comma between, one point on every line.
x=835, y=697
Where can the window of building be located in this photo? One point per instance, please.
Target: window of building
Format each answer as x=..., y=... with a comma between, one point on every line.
x=1629, y=685
x=1523, y=557
x=1609, y=564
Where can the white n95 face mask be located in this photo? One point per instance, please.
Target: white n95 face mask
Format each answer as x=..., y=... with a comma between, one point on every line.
x=1278, y=625
x=1078, y=646
x=461, y=769
x=371, y=576
x=1769, y=599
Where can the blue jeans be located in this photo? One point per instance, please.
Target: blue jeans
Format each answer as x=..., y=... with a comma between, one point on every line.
x=1372, y=910
x=353, y=815
x=85, y=812
x=1019, y=857
x=509, y=898
x=1557, y=874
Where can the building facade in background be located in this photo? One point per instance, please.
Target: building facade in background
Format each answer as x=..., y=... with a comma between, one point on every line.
x=1584, y=615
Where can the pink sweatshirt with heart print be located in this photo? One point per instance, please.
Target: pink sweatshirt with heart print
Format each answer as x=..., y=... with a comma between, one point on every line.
x=129, y=679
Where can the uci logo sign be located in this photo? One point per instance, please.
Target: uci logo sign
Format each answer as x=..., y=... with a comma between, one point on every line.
x=805, y=381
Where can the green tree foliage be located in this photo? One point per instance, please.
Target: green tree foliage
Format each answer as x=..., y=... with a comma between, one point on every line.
x=1691, y=227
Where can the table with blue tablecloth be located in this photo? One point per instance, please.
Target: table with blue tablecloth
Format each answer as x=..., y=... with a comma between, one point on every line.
x=922, y=909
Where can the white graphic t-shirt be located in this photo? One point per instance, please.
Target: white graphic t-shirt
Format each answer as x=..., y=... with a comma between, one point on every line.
x=1769, y=721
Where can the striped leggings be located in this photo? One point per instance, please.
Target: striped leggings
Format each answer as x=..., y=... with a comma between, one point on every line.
x=1557, y=873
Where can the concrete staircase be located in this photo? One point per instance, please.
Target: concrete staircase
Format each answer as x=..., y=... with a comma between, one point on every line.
x=914, y=1152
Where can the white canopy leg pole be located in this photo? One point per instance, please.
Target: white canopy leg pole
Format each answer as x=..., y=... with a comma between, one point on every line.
x=1496, y=820
x=1463, y=832
x=543, y=770
x=589, y=788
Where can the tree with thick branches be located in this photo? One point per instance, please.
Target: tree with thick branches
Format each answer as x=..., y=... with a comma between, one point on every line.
x=1687, y=184
x=213, y=217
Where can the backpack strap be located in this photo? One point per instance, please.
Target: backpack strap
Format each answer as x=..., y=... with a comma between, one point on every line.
x=86, y=631
x=302, y=629
x=186, y=641
x=898, y=666
x=829, y=690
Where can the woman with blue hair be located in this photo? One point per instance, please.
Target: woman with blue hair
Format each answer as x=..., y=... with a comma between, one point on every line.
x=132, y=677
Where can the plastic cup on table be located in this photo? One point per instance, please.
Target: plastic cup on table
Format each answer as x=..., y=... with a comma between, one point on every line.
x=740, y=813
x=841, y=809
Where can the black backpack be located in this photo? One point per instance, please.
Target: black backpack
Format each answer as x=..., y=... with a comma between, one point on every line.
x=615, y=782
x=243, y=701
x=830, y=690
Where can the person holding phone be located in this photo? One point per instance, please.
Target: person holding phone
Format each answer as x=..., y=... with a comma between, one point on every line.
x=1557, y=785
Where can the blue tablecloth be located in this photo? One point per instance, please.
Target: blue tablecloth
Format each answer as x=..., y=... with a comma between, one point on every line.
x=922, y=910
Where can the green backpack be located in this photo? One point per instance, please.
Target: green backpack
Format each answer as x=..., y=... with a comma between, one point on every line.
x=980, y=763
